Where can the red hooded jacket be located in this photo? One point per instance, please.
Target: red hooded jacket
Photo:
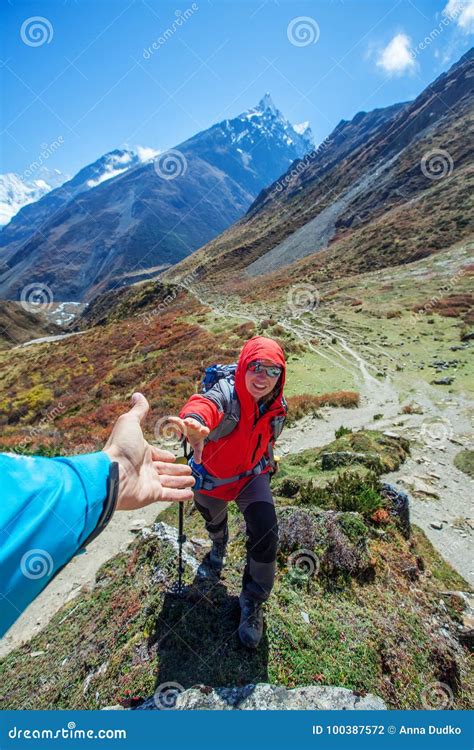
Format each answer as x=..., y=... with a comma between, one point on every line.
x=249, y=441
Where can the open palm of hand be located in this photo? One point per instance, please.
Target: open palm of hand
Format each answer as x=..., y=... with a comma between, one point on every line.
x=147, y=474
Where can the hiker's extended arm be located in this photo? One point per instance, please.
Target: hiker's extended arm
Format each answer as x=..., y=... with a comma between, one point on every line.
x=203, y=409
x=196, y=419
x=51, y=506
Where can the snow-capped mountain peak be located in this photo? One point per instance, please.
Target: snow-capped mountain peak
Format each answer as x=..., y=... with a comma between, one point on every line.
x=266, y=104
x=16, y=191
x=270, y=119
x=110, y=165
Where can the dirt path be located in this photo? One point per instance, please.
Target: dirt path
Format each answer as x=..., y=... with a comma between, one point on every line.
x=49, y=339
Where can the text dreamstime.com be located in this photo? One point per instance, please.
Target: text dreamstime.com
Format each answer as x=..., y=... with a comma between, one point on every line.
x=69, y=732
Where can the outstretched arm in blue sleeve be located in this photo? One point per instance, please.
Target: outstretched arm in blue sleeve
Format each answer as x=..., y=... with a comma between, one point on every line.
x=51, y=507
x=48, y=509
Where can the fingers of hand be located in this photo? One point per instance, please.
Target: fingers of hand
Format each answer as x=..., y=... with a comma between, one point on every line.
x=170, y=480
x=140, y=406
x=179, y=424
x=197, y=447
x=158, y=454
x=180, y=470
x=195, y=428
x=171, y=495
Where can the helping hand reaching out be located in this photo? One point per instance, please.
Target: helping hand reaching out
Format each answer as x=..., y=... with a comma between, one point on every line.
x=194, y=432
x=147, y=474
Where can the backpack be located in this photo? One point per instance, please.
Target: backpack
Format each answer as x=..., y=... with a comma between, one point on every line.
x=218, y=385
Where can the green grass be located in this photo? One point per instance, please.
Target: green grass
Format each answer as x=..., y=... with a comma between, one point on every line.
x=383, y=454
x=464, y=461
x=310, y=373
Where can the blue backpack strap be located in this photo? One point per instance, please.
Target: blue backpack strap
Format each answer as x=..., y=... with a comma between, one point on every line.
x=206, y=481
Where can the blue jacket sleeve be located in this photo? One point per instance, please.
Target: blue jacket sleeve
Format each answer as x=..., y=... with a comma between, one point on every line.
x=48, y=508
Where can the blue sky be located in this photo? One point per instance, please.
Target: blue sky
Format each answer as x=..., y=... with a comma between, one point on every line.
x=85, y=78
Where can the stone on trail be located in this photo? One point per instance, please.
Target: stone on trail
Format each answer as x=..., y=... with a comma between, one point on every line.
x=265, y=697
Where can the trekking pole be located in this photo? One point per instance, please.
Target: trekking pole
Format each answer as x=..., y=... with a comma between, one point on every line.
x=178, y=587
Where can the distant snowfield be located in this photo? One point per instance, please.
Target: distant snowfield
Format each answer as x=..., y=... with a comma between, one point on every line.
x=16, y=192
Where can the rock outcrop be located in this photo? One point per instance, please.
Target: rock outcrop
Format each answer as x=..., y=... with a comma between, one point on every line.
x=262, y=697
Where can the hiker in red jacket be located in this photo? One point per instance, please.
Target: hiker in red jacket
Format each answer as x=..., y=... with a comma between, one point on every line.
x=232, y=428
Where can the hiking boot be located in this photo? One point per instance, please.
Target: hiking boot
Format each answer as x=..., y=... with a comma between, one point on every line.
x=211, y=566
x=251, y=622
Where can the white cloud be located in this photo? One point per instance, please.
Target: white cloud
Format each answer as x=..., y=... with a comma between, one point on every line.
x=463, y=13
x=396, y=58
x=146, y=153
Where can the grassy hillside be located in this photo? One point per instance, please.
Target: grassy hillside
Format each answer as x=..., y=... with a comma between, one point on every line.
x=64, y=395
x=401, y=320
x=411, y=323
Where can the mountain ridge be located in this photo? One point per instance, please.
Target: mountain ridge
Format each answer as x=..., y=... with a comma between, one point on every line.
x=311, y=186
x=147, y=213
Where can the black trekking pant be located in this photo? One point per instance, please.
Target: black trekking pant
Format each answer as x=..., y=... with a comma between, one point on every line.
x=255, y=501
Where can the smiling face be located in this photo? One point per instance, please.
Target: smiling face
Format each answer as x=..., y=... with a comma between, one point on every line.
x=259, y=384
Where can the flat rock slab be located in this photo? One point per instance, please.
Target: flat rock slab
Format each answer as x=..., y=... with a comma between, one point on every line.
x=265, y=697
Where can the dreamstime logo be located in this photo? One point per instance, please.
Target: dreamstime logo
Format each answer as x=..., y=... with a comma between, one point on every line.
x=166, y=695
x=433, y=303
x=298, y=169
x=36, y=563
x=181, y=18
x=449, y=14
x=437, y=696
x=186, y=283
x=170, y=164
x=36, y=297
x=302, y=298
x=47, y=150
x=304, y=561
x=166, y=432
x=36, y=31
x=437, y=164
x=37, y=430
x=303, y=31
x=91, y=446
x=436, y=432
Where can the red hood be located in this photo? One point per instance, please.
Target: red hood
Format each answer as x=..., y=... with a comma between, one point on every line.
x=258, y=347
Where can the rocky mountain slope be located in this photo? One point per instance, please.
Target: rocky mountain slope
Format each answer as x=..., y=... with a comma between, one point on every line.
x=388, y=187
x=32, y=217
x=119, y=216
